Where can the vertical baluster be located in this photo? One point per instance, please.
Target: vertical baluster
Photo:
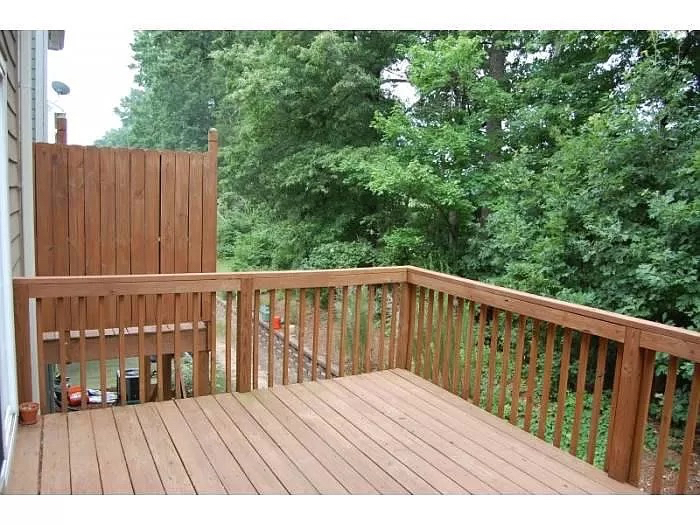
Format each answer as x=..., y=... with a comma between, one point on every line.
x=437, y=349
x=40, y=355
x=613, y=406
x=428, y=361
x=369, y=342
x=144, y=374
x=343, y=332
x=211, y=343
x=82, y=313
x=316, y=335
x=256, y=337
x=102, y=348
x=271, y=339
x=466, y=380
x=159, y=346
x=330, y=335
x=285, y=346
x=492, y=359
x=505, y=363
x=689, y=437
x=393, y=327
x=356, y=331
x=61, y=325
x=580, y=391
x=457, y=346
x=517, y=378
x=448, y=343
x=196, y=305
x=229, y=336
x=563, y=384
x=665, y=426
x=301, y=338
x=597, y=394
x=531, y=374
x=421, y=332
x=648, y=358
x=179, y=389
x=122, y=348
x=382, y=323
x=483, y=314
x=547, y=378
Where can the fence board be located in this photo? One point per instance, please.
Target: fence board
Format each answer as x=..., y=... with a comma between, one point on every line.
x=111, y=211
x=123, y=221
x=92, y=225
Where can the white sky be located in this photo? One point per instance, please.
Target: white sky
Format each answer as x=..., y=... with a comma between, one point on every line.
x=95, y=65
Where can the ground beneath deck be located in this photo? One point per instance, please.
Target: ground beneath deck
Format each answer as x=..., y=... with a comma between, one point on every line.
x=387, y=432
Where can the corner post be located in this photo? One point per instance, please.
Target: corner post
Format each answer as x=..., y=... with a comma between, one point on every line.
x=244, y=335
x=22, y=344
x=406, y=318
x=625, y=424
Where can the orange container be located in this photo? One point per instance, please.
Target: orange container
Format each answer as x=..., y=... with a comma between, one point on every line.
x=276, y=322
x=75, y=395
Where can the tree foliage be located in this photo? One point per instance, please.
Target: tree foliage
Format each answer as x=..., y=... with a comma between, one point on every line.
x=564, y=163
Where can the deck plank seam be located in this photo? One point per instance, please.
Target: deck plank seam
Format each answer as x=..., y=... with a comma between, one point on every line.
x=601, y=479
x=484, y=465
x=309, y=449
x=496, y=429
x=172, y=442
x=97, y=459
x=325, y=439
x=41, y=457
x=194, y=434
x=380, y=387
x=369, y=438
x=150, y=451
x=247, y=438
x=225, y=442
x=421, y=443
x=306, y=386
x=283, y=449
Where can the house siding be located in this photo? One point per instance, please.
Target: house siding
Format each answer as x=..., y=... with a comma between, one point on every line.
x=9, y=44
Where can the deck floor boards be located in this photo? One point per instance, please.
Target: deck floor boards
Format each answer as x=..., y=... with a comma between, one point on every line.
x=388, y=432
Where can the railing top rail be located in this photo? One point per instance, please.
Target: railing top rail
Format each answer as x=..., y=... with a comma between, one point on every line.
x=656, y=336
x=587, y=311
x=94, y=285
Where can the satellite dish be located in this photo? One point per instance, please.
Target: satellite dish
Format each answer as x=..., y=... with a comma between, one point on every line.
x=60, y=88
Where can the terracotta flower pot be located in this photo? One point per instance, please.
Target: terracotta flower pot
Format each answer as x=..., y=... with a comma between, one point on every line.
x=28, y=412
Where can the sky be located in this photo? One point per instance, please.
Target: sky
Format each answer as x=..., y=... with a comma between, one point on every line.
x=95, y=66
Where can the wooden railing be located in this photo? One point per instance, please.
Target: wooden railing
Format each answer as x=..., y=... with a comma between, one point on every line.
x=496, y=347
x=578, y=377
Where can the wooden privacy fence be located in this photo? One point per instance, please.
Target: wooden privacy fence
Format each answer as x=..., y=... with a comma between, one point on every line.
x=105, y=211
x=542, y=364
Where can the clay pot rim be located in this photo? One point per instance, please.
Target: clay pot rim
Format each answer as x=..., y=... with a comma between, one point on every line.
x=28, y=406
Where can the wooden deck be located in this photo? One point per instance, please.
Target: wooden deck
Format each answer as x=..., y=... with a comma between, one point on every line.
x=385, y=432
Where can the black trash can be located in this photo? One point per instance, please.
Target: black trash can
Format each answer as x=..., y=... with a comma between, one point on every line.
x=131, y=376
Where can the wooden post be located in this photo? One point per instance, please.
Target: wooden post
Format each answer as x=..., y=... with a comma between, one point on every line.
x=244, y=345
x=209, y=204
x=61, y=124
x=406, y=316
x=623, y=432
x=22, y=346
x=203, y=358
